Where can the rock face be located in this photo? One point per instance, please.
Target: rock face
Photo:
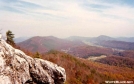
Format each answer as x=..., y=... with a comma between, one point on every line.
x=18, y=68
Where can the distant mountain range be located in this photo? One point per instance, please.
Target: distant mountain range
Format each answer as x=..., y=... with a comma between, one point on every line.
x=102, y=37
x=72, y=38
x=122, y=43
x=20, y=39
x=79, y=46
x=85, y=47
x=44, y=44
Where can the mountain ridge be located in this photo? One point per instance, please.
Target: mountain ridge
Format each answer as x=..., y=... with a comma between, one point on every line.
x=110, y=42
x=44, y=44
x=104, y=37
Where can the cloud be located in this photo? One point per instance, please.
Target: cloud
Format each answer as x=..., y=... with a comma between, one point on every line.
x=66, y=18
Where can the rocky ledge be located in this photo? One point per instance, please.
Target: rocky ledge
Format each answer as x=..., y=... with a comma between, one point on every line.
x=18, y=68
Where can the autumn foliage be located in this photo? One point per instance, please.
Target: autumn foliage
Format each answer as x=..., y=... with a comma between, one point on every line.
x=82, y=71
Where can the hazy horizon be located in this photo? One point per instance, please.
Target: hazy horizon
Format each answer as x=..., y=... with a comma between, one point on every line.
x=62, y=19
x=26, y=37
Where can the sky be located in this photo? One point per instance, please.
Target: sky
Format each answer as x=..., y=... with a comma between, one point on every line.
x=64, y=18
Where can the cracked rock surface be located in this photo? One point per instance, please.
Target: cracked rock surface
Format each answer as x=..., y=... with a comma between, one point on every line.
x=18, y=68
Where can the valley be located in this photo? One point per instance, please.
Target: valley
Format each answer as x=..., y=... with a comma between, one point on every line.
x=93, y=58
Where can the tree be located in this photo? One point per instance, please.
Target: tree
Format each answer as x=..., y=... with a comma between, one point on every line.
x=37, y=55
x=10, y=37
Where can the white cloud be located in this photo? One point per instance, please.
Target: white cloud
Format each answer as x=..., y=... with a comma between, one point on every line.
x=66, y=18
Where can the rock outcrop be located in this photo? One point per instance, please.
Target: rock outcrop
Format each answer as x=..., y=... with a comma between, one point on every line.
x=18, y=68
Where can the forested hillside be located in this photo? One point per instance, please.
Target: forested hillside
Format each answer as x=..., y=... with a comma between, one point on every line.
x=82, y=71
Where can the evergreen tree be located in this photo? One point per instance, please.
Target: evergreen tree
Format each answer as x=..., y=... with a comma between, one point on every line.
x=37, y=55
x=10, y=37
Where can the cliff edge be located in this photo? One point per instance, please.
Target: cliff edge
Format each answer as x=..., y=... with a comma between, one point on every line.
x=18, y=68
